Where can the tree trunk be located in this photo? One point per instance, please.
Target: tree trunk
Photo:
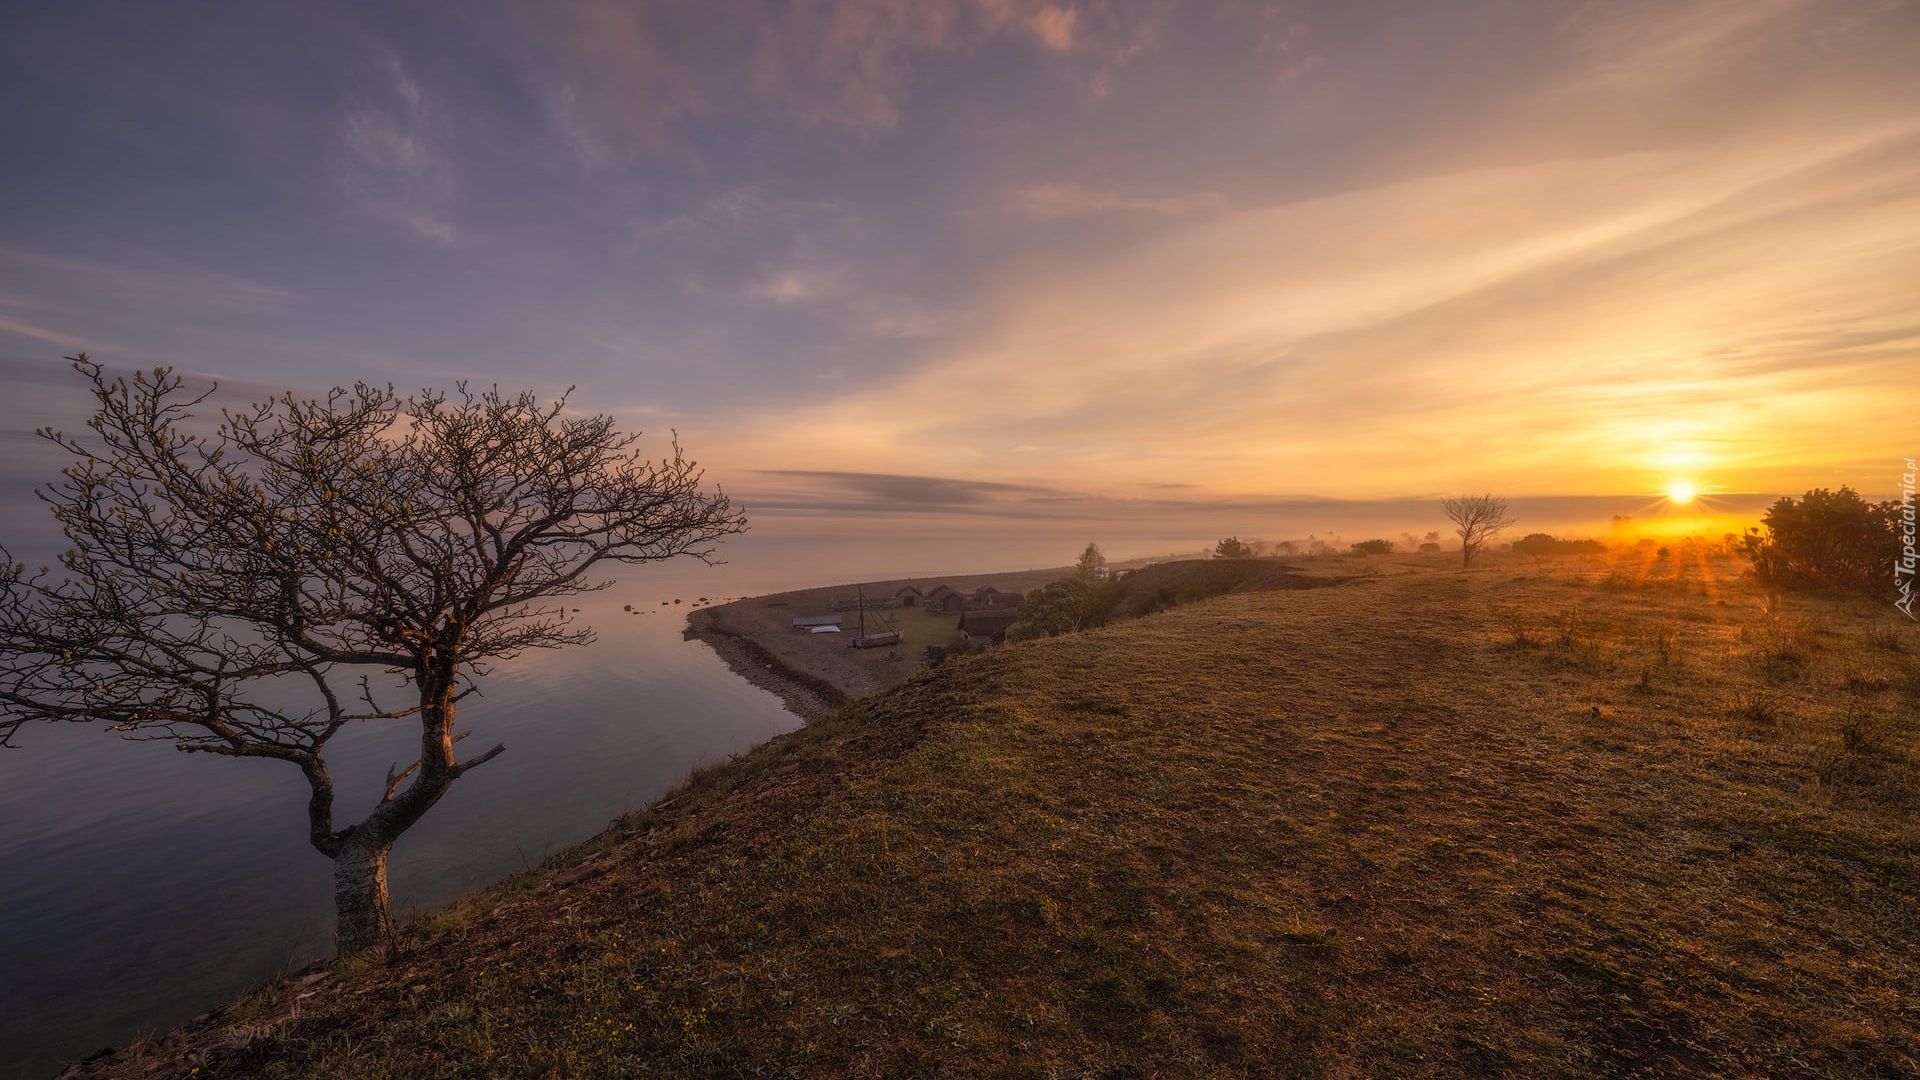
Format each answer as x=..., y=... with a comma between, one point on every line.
x=360, y=897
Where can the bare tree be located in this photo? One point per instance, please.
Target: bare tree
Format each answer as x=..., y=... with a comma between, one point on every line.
x=1478, y=519
x=239, y=592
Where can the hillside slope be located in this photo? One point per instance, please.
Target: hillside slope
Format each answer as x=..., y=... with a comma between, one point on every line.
x=1414, y=826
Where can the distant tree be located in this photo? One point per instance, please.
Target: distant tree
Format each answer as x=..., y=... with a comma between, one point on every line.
x=1429, y=548
x=1832, y=538
x=1432, y=537
x=1089, y=560
x=1373, y=547
x=1286, y=548
x=1232, y=548
x=1477, y=519
x=223, y=589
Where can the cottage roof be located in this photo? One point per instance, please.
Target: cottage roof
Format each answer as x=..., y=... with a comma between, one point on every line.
x=986, y=622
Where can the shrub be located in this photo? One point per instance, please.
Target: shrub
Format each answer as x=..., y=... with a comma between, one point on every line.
x=1373, y=547
x=1544, y=544
x=1759, y=707
x=1831, y=538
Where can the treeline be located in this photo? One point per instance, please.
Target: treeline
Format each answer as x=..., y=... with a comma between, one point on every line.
x=1232, y=547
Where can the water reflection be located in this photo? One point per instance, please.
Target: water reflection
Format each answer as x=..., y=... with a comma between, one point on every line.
x=145, y=885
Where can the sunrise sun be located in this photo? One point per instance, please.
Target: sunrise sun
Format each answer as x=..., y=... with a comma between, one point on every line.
x=1680, y=493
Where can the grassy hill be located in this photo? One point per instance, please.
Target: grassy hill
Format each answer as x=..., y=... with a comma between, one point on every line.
x=1579, y=819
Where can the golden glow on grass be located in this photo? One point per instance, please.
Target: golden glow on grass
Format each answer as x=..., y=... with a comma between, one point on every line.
x=921, y=849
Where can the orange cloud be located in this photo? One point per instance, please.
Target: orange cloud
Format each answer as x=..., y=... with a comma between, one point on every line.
x=1591, y=325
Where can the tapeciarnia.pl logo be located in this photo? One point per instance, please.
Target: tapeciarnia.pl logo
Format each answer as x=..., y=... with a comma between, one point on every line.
x=1903, y=567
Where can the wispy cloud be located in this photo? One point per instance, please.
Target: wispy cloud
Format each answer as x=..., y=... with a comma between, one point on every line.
x=394, y=166
x=844, y=63
x=22, y=328
x=1614, y=43
x=1043, y=202
x=79, y=304
x=141, y=277
x=1076, y=247
x=1258, y=344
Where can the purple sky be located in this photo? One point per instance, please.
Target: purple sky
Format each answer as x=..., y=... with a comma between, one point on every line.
x=1095, y=259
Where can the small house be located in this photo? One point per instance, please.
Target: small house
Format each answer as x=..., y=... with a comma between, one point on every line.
x=982, y=626
x=908, y=596
x=807, y=623
x=986, y=596
x=945, y=599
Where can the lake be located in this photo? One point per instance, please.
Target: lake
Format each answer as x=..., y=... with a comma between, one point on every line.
x=144, y=886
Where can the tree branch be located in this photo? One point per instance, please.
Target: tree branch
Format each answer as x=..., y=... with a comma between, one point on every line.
x=393, y=779
x=481, y=760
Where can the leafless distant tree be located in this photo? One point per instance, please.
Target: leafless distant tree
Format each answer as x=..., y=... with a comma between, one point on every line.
x=1478, y=519
x=235, y=590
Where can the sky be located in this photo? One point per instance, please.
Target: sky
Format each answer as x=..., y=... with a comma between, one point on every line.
x=956, y=267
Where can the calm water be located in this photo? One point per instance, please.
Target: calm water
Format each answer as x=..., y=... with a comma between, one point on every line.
x=143, y=885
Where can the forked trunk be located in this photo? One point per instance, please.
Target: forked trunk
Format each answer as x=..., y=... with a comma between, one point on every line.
x=360, y=853
x=360, y=897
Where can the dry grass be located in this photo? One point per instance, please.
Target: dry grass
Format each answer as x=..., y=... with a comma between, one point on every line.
x=1660, y=829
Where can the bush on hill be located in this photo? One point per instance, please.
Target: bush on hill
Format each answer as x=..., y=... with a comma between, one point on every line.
x=1831, y=538
x=1062, y=607
x=1544, y=544
x=1232, y=548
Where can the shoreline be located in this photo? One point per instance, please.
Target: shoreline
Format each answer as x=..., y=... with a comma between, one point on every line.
x=806, y=696
x=815, y=675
